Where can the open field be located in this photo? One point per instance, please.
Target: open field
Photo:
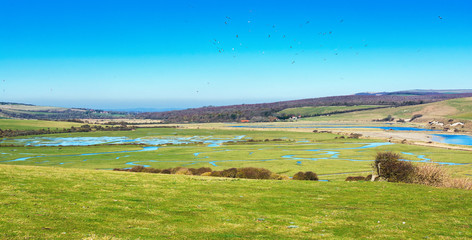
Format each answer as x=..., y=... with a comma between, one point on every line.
x=282, y=152
x=56, y=203
x=20, y=124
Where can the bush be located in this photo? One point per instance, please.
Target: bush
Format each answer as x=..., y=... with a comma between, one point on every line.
x=430, y=174
x=181, y=171
x=167, y=171
x=215, y=174
x=305, y=176
x=311, y=176
x=358, y=178
x=253, y=173
x=463, y=183
x=137, y=169
x=151, y=170
x=388, y=165
x=229, y=173
x=199, y=171
x=299, y=176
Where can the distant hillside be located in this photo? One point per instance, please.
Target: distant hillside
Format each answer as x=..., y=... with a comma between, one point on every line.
x=418, y=92
x=457, y=109
x=27, y=111
x=268, y=111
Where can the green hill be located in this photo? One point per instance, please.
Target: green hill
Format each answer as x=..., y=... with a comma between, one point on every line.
x=324, y=110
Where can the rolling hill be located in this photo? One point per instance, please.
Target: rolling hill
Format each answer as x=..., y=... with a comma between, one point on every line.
x=269, y=111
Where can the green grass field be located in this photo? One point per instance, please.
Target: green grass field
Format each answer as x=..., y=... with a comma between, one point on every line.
x=19, y=124
x=56, y=203
x=331, y=158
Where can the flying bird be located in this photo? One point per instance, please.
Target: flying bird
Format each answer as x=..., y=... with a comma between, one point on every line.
x=440, y=17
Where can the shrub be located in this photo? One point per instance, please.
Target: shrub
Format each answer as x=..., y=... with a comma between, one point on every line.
x=199, y=171
x=253, y=173
x=305, y=176
x=299, y=176
x=311, y=176
x=358, y=178
x=151, y=170
x=430, y=174
x=137, y=169
x=463, y=183
x=181, y=171
x=167, y=171
x=215, y=174
x=229, y=173
x=368, y=178
x=276, y=176
x=206, y=174
x=388, y=165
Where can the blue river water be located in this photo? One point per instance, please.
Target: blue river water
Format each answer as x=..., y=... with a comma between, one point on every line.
x=340, y=126
x=88, y=141
x=453, y=139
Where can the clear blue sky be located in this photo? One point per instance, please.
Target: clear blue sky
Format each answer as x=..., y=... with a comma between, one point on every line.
x=165, y=54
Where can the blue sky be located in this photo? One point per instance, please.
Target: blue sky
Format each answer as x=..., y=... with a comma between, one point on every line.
x=166, y=54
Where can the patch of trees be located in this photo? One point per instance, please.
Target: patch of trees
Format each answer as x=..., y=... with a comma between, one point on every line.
x=83, y=128
x=268, y=111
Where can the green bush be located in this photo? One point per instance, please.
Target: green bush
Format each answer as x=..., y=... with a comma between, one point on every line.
x=388, y=165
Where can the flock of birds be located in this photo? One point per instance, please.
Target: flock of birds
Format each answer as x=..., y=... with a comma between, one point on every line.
x=227, y=21
x=291, y=44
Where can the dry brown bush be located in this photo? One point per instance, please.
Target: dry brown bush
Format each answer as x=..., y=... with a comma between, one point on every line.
x=462, y=183
x=430, y=174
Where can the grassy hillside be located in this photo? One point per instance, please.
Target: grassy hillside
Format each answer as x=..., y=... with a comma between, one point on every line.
x=18, y=124
x=14, y=110
x=455, y=108
x=53, y=203
x=312, y=111
x=267, y=111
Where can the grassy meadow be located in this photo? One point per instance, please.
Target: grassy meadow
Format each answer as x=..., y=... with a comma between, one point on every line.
x=282, y=152
x=56, y=203
x=20, y=124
